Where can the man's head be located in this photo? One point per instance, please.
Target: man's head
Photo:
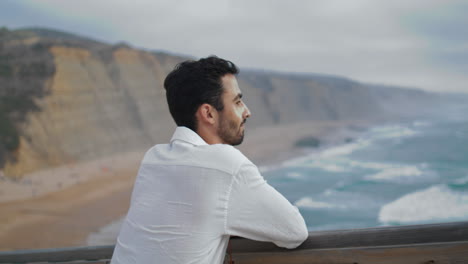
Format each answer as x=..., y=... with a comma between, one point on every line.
x=204, y=96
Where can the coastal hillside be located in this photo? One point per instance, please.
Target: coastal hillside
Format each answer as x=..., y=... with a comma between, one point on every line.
x=66, y=99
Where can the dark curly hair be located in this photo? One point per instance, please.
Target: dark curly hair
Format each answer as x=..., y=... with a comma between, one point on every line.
x=193, y=83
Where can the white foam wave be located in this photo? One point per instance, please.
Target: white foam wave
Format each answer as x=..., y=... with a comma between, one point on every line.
x=299, y=161
x=326, y=165
x=313, y=161
x=294, y=175
x=437, y=203
x=344, y=164
x=307, y=202
x=346, y=149
x=396, y=174
x=393, y=131
x=334, y=159
x=370, y=165
x=350, y=200
x=332, y=167
x=461, y=181
x=421, y=124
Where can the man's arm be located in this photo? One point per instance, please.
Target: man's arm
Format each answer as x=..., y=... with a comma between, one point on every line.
x=257, y=211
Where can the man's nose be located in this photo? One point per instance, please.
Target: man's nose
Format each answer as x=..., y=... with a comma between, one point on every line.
x=247, y=113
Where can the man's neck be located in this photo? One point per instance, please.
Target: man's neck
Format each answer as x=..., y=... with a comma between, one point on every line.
x=209, y=136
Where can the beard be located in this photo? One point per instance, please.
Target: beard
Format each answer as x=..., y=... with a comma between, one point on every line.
x=231, y=132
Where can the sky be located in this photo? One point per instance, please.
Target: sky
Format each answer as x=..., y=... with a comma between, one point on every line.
x=413, y=43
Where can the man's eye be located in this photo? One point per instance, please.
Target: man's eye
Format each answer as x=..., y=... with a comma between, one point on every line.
x=238, y=102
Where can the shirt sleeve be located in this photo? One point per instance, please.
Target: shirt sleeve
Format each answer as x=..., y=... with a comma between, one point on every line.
x=257, y=211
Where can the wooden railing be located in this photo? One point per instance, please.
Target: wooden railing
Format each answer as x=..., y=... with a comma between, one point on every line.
x=418, y=244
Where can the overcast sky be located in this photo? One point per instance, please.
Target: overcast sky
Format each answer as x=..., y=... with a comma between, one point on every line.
x=417, y=43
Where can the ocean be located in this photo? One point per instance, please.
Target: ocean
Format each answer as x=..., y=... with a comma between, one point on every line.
x=400, y=173
x=403, y=173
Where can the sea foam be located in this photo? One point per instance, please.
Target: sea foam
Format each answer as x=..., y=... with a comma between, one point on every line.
x=393, y=131
x=403, y=174
x=370, y=165
x=307, y=202
x=333, y=165
x=437, y=203
x=421, y=123
x=294, y=175
x=461, y=181
x=345, y=149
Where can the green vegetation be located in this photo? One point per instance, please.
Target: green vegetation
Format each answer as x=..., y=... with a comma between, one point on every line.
x=33, y=69
x=13, y=109
x=23, y=71
x=10, y=107
x=308, y=142
x=5, y=70
x=3, y=31
x=8, y=134
x=18, y=104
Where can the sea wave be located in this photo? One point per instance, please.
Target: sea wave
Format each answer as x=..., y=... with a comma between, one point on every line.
x=346, y=149
x=382, y=172
x=437, y=203
x=460, y=184
x=349, y=200
x=403, y=174
x=421, y=123
x=333, y=165
x=323, y=158
x=461, y=181
x=392, y=131
x=370, y=165
x=294, y=175
x=307, y=202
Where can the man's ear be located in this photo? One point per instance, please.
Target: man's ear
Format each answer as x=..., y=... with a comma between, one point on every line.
x=207, y=114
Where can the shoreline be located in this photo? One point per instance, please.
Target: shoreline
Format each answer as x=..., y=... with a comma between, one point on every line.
x=74, y=209
x=70, y=212
x=44, y=182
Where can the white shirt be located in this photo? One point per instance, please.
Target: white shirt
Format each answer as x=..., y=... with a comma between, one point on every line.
x=189, y=197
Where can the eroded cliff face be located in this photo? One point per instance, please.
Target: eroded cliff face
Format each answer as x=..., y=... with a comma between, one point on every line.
x=94, y=108
x=86, y=99
x=280, y=98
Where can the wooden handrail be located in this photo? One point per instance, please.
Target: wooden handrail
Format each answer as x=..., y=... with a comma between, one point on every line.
x=430, y=243
x=368, y=237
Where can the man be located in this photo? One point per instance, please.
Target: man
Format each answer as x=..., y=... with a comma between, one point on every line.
x=192, y=194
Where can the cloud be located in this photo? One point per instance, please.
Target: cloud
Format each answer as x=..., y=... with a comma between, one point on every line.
x=412, y=43
x=445, y=30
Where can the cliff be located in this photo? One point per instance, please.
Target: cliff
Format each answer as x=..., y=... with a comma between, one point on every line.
x=66, y=98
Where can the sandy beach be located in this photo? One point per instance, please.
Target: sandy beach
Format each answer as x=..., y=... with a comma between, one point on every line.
x=60, y=207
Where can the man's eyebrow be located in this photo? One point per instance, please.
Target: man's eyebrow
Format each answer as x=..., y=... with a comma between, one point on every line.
x=238, y=96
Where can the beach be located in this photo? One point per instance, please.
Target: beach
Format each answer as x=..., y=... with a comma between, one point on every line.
x=61, y=207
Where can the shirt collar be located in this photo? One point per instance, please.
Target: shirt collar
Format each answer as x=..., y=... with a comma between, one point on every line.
x=186, y=134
